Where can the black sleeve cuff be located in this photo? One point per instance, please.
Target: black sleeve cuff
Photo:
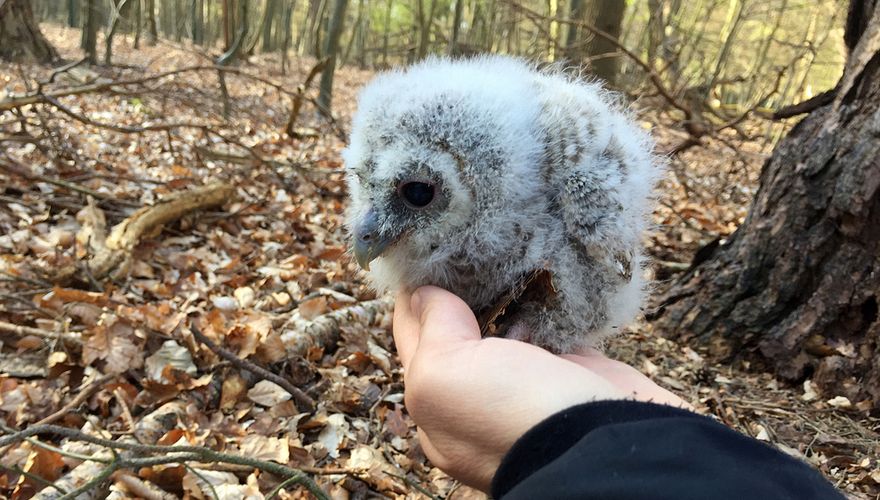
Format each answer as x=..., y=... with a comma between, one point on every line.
x=554, y=436
x=632, y=450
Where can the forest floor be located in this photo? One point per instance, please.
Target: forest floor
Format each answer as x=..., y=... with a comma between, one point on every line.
x=262, y=273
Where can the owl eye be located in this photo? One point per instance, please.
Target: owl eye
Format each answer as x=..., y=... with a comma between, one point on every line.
x=416, y=194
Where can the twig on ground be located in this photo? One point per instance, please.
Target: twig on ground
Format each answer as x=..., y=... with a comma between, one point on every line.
x=303, y=401
x=171, y=454
x=110, y=255
x=15, y=168
x=22, y=330
x=85, y=392
x=299, y=334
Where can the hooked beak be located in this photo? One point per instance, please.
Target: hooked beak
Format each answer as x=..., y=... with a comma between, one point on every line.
x=369, y=243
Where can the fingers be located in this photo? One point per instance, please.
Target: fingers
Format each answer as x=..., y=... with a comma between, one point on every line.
x=444, y=318
x=431, y=317
x=406, y=328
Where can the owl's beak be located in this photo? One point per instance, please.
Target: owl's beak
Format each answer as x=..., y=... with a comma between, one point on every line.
x=369, y=243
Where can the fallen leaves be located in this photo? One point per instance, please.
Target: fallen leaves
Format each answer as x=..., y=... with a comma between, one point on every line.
x=267, y=277
x=267, y=394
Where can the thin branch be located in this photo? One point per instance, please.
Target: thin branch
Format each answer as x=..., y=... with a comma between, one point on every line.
x=22, y=330
x=172, y=454
x=20, y=170
x=808, y=106
x=127, y=129
x=93, y=483
x=33, y=477
x=84, y=393
x=63, y=69
x=303, y=401
x=649, y=71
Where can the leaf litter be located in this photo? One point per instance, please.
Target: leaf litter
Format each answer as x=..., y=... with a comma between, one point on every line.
x=267, y=278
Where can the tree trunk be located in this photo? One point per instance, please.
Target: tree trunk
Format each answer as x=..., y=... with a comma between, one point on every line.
x=576, y=11
x=152, y=29
x=90, y=32
x=73, y=14
x=796, y=287
x=424, y=19
x=268, y=41
x=656, y=26
x=337, y=19
x=386, y=33
x=583, y=45
x=726, y=46
x=179, y=20
x=20, y=36
x=112, y=27
x=138, y=22
x=288, y=36
x=452, y=50
x=355, y=34
x=198, y=22
x=228, y=24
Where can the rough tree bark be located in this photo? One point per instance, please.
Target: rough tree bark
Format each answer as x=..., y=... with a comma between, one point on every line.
x=796, y=287
x=20, y=36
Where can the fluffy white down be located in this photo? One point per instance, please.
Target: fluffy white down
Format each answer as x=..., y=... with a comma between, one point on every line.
x=540, y=170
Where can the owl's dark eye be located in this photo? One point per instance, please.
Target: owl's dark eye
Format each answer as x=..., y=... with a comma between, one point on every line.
x=416, y=194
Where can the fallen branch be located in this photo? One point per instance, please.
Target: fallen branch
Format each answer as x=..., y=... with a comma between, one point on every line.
x=299, y=334
x=303, y=401
x=159, y=454
x=110, y=256
x=85, y=392
x=24, y=331
x=9, y=165
x=51, y=97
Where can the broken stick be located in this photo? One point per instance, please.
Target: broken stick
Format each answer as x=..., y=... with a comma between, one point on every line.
x=110, y=255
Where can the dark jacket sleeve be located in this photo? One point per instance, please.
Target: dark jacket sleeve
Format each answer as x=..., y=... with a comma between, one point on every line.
x=632, y=450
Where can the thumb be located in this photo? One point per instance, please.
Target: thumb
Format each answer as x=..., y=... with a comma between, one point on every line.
x=445, y=319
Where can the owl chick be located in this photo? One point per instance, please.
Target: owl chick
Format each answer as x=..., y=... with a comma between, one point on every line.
x=474, y=175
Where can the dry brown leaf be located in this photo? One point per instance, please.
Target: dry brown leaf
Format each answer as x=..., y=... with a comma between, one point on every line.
x=232, y=391
x=395, y=421
x=267, y=393
x=265, y=448
x=170, y=354
x=312, y=308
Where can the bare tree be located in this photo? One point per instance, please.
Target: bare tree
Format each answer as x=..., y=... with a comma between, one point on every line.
x=152, y=29
x=331, y=49
x=20, y=36
x=116, y=7
x=583, y=46
x=425, y=18
x=456, y=26
x=90, y=31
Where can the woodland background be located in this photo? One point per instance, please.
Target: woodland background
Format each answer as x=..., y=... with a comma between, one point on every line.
x=178, y=314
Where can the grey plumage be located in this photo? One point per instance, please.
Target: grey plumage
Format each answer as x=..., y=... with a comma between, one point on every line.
x=471, y=175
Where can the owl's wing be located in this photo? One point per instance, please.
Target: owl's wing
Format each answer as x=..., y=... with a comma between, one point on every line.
x=600, y=164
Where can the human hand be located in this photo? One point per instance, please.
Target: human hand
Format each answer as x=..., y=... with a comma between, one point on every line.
x=472, y=398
